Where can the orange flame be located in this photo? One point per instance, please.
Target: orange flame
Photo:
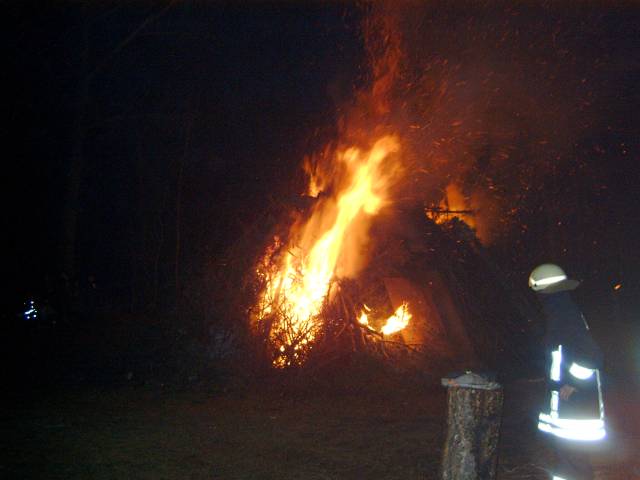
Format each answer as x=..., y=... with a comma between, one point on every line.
x=351, y=186
x=328, y=245
x=395, y=323
x=364, y=316
x=453, y=205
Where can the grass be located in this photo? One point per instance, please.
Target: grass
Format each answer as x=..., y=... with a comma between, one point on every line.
x=263, y=433
x=145, y=433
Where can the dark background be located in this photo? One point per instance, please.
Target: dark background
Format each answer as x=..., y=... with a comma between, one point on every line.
x=181, y=125
x=223, y=95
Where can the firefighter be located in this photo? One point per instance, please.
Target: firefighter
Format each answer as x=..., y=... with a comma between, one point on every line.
x=573, y=411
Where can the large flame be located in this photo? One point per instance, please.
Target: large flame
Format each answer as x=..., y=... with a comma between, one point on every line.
x=351, y=186
x=324, y=248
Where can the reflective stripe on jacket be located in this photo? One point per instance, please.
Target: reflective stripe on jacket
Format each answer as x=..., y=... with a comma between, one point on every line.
x=581, y=417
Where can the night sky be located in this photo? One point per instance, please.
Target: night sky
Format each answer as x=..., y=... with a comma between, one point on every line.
x=228, y=99
x=253, y=83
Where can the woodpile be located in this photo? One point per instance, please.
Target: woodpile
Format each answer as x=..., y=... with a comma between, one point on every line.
x=468, y=312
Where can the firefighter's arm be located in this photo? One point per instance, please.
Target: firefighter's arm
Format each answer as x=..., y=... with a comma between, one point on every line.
x=575, y=377
x=566, y=391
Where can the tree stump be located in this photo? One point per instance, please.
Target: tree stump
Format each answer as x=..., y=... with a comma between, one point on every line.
x=474, y=411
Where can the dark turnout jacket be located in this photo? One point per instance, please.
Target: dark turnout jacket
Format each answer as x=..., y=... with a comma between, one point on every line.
x=573, y=359
x=566, y=326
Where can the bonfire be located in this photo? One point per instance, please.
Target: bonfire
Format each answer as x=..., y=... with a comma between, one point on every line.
x=306, y=276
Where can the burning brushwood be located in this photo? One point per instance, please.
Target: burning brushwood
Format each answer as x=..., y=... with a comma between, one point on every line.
x=298, y=278
x=437, y=295
x=365, y=263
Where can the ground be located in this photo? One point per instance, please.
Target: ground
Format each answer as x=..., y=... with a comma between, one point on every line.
x=154, y=432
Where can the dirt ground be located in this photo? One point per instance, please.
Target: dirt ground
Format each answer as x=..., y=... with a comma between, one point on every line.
x=267, y=433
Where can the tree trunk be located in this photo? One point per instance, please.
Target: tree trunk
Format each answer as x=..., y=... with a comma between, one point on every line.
x=473, y=418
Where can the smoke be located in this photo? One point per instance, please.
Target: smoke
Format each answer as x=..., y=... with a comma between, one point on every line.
x=491, y=98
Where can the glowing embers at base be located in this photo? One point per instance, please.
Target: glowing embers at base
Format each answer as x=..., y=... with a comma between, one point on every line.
x=398, y=321
x=395, y=323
